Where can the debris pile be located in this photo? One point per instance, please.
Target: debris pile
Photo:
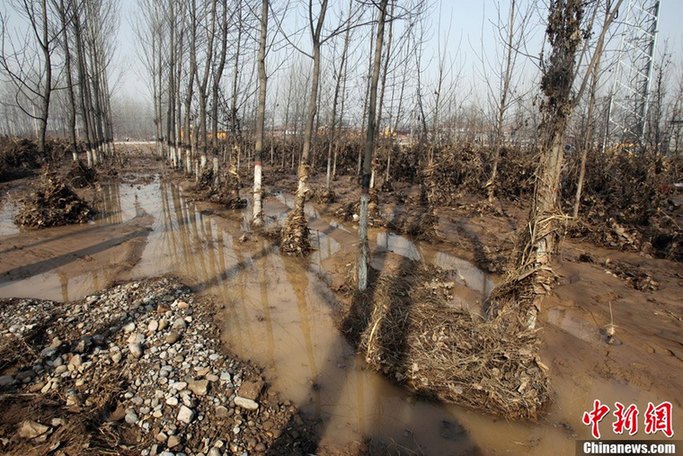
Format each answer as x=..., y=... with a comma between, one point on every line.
x=17, y=156
x=227, y=192
x=52, y=204
x=80, y=176
x=135, y=369
x=409, y=331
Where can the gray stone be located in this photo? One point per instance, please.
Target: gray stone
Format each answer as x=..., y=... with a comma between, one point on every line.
x=31, y=429
x=131, y=417
x=172, y=401
x=48, y=352
x=178, y=385
x=6, y=380
x=152, y=326
x=135, y=349
x=185, y=414
x=129, y=328
x=76, y=361
x=136, y=338
x=214, y=452
x=179, y=324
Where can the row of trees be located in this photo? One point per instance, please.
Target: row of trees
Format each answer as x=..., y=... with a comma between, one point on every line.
x=577, y=32
x=62, y=47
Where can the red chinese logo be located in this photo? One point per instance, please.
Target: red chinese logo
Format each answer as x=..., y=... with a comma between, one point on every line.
x=594, y=417
x=656, y=418
x=659, y=419
x=627, y=419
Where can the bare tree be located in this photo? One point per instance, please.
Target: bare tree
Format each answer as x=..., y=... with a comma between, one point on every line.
x=512, y=34
x=257, y=219
x=363, y=251
x=533, y=275
x=27, y=62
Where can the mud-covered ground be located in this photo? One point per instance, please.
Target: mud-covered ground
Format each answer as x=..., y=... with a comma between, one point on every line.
x=599, y=290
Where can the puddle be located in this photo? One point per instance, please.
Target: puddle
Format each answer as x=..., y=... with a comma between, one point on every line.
x=277, y=312
x=8, y=210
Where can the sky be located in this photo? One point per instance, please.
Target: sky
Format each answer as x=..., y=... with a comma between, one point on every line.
x=458, y=22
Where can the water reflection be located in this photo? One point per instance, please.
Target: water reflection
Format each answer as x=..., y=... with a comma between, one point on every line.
x=278, y=312
x=8, y=211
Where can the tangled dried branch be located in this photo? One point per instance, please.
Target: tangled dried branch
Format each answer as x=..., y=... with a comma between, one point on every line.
x=408, y=330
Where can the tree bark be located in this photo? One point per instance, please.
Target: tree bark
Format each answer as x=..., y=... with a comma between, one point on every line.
x=257, y=219
x=363, y=251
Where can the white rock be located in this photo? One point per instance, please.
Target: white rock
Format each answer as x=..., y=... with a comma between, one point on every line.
x=130, y=327
x=186, y=415
x=153, y=326
x=245, y=403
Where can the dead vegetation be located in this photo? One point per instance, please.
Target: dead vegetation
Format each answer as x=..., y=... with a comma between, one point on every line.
x=293, y=236
x=408, y=330
x=17, y=157
x=225, y=190
x=52, y=204
x=80, y=176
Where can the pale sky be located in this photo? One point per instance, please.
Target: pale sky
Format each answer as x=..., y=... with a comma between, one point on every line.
x=465, y=18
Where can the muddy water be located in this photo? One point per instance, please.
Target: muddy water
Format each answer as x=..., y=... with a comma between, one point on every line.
x=278, y=312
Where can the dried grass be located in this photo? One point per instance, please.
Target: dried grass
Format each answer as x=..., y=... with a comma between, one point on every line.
x=408, y=330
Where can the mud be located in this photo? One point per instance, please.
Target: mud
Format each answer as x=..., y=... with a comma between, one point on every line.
x=279, y=311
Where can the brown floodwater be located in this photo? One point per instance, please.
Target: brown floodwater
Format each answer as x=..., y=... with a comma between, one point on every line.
x=278, y=312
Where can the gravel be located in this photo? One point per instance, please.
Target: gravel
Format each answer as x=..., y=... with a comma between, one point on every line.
x=145, y=359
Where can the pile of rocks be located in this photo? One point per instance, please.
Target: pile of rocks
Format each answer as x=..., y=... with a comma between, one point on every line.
x=146, y=357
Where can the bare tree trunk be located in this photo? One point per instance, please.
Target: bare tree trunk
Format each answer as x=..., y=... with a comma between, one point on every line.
x=217, y=76
x=65, y=21
x=192, y=71
x=203, y=84
x=260, y=116
x=295, y=231
x=47, y=90
x=363, y=252
x=540, y=238
x=502, y=103
x=235, y=79
x=335, y=101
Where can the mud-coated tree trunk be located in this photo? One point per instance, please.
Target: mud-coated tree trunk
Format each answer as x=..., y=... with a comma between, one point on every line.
x=295, y=230
x=363, y=249
x=533, y=272
x=257, y=219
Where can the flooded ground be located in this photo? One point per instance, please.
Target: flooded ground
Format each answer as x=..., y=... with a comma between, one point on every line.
x=278, y=312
